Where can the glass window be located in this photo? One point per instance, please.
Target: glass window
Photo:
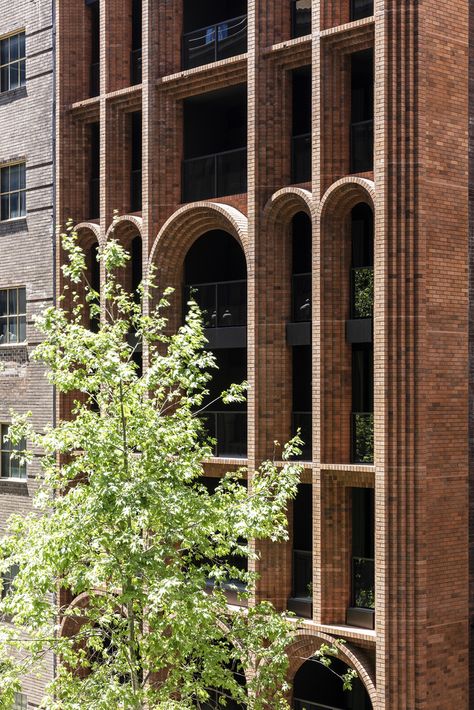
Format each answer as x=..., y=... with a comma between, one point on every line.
x=12, y=315
x=12, y=191
x=20, y=702
x=10, y=467
x=12, y=62
x=7, y=581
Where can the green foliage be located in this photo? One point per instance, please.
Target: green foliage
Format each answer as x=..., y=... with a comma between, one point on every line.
x=121, y=518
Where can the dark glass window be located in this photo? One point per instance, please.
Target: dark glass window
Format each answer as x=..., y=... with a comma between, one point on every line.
x=303, y=542
x=94, y=9
x=301, y=125
x=213, y=31
x=12, y=315
x=10, y=467
x=94, y=170
x=300, y=18
x=361, y=8
x=362, y=111
x=136, y=53
x=12, y=62
x=362, y=271
x=136, y=174
x=302, y=405
x=13, y=191
x=363, y=540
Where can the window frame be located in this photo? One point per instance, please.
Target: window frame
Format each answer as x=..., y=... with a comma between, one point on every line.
x=17, y=316
x=19, y=62
x=20, y=191
x=5, y=452
x=20, y=701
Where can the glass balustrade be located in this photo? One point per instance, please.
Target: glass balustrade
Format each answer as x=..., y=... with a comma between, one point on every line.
x=224, y=304
x=214, y=42
x=215, y=175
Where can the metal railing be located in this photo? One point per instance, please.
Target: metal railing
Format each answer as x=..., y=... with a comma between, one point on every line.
x=302, y=574
x=363, y=582
x=362, y=292
x=301, y=297
x=220, y=41
x=362, y=437
x=94, y=79
x=362, y=146
x=136, y=66
x=224, y=303
x=302, y=420
x=301, y=158
x=215, y=175
x=300, y=18
x=229, y=429
x=361, y=8
x=136, y=190
x=94, y=197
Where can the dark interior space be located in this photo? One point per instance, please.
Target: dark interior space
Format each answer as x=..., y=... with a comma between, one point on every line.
x=197, y=15
x=216, y=256
x=323, y=687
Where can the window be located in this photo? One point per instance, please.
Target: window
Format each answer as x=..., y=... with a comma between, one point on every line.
x=13, y=191
x=12, y=315
x=7, y=581
x=12, y=62
x=10, y=467
x=20, y=702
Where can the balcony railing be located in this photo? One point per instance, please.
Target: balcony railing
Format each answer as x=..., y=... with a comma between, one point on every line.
x=219, y=41
x=363, y=583
x=301, y=298
x=229, y=429
x=306, y=705
x=300, y=18
x=94, y=197
x=363, y=437
x=302, y=573
x=135, y=66
x=362, y=146
x=302, y=420
x=215, y=175
x=362, y=292
x=361, y=8
x=301, y=158
x=224, y=304
x=136, y=190
x=94, y=79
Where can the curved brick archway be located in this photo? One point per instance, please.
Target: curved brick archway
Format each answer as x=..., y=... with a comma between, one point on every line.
x=88, y=232
x=345, y=193
x=284, y=204
x=305, y=646
x=124, y=228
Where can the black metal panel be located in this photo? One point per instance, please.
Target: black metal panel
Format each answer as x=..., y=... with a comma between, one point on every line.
x=301, y=606
x=226, y=337
x=359, y=330
x=363, y=618
x=298, y=333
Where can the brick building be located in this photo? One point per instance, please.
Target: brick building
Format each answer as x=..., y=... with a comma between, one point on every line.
x=303, y=166
x=26, y=242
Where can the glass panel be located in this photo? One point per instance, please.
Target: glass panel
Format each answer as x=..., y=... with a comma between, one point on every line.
x=22, y=66
x=232, y=38
x=5, y=179
x=302, y=297
x=362, y=292
x=4, y=79
x=13, y=330
x=231, y=433
x=5, y=207
x=21, y=300
x=14, y=468
x=363, y=581
x=22, y=329
x=12, y=301
x=363, y=437
x=3, y=331
x=199, y=179
x=362, y=146
x=14, y=75
x=14, y=48
x=21, y=44
x=22, y=203
x=4, y=54
x=232, y=304
x=14, y=205
x=199, y=47
x=361, y=8
x=301, y=158
x=22, y=176
x=14, y=177
x=5, y=464
x=205, y=297
x=301, y=20
x=3, y=302
x=232, y=172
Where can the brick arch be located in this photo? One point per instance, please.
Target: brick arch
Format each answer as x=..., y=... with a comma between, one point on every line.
x=305, y=646
x=87, y=233
x=345, y=193
x=125, y=227
x=285, y=203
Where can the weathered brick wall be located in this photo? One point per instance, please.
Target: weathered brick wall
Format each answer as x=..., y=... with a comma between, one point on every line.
x=26, y=245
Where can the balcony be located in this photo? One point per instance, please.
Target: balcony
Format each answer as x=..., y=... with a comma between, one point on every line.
x=300, y=18
x=136, y=66
x=363, y=437
x=224, y=304
x=301, y=602
x=215, y=175
x=219, y=41
x=361, y=8
x=136, y=190
x=229, y=429
x=362, y=612
x=301, y=158
x=94, y=79
x=362, y=146
x=302, y=421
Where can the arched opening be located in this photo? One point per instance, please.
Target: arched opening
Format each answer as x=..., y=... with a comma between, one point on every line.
x=316, y=687
x=215, y=275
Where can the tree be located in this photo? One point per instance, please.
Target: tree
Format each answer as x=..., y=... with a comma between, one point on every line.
x=123, y=521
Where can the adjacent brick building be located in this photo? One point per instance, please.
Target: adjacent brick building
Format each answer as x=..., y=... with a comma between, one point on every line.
x=26, y=242
x=304, y=166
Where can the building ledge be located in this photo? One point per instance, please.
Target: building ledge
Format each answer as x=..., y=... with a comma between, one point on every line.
x=223, y=73
x=348, y=27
